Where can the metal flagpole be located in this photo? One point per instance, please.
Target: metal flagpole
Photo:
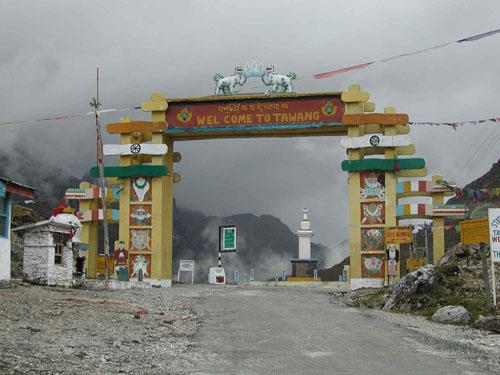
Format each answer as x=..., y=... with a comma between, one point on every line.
x=102, y=183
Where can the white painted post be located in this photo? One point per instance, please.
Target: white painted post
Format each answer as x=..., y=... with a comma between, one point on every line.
x=494, y=234
x=493, y=280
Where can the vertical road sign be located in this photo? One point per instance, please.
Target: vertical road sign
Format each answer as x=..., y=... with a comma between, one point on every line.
x=494, y=224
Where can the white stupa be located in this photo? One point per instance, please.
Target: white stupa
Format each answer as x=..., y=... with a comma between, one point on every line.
x=303, y=267
x=305, y=233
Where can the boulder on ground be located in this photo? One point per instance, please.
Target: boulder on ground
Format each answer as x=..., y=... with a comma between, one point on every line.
x=452, y=314
x=419, y=281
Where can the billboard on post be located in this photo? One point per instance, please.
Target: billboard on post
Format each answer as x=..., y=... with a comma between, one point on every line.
x=227, y=238
x=474, y=231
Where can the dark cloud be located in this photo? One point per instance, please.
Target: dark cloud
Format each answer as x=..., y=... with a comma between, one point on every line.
x=50, y=50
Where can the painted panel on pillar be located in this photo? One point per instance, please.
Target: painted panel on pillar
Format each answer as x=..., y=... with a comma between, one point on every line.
x=140, y=240
x=141, y=189
x=372, y=239
x=140, y=266
x=373, y=266
x=372, y=185
x=140, y=215
x=372, y=213
x=375, y=140
x=135, y=149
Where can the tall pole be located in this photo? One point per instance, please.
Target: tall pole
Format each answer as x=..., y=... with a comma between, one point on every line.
x=102, y=183
x=486, y=278
x=494, y=288
x=220, y=245
x=427, y=257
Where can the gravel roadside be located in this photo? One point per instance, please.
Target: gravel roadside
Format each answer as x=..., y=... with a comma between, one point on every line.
x=449, y=341
x=69, y=331
x=170, y=331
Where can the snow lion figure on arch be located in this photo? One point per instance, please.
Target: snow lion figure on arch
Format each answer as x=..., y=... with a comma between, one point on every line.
x=278, y=82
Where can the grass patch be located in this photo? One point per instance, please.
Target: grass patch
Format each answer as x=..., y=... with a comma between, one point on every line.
x=369, y=298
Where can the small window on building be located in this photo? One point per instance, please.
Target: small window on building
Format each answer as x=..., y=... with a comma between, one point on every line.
x=4, y=223
x=58, y=254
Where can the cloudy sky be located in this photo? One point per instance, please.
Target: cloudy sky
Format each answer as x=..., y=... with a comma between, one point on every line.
x=49, y=50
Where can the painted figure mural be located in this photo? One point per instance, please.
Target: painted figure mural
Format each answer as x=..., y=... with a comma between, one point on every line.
x=140, y=240
x=372, y=239
x=372, y=185
x=372, y=266
x=373, y=213
x=141, y=189
x=121, y=262
x=141, y=266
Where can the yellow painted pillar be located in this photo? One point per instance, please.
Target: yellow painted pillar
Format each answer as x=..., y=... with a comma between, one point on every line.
x=391, y=181
x=88, y=234
x=124, y=196
x=354, y=100
x=168, y=225
x=437, y=226
x=162, y=198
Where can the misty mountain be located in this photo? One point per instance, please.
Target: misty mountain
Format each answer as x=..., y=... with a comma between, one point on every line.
x=50, y=181
x=489, y=180
x=264, y=242
x=476, y=199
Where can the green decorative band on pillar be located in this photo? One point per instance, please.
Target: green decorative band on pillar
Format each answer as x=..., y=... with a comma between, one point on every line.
x=131, y=170
x=382, y=164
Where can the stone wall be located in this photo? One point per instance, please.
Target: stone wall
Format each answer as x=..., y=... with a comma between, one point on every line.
x=39, y=258
x=61, y=274
x=4, y=258
x=37, y=247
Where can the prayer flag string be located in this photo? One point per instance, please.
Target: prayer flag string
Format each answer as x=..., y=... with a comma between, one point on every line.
x=66, y=117
x=412, y=53
x=323, y=75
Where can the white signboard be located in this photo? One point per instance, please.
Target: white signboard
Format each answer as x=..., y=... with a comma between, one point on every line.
x=494, y=221
x=375, y=140
x=186, y=266
x=135, y=149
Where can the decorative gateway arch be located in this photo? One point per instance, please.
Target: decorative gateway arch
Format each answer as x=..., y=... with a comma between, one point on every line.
x=145, y=176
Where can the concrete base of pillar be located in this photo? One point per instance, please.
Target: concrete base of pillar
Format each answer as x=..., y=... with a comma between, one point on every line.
x=115, y=284
x=367, y=283
x=304, y=267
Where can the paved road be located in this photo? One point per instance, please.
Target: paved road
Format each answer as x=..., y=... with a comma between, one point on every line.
x=298, y=331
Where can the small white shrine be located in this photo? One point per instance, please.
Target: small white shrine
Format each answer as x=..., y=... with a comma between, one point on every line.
x=303, y=267
x=48, y=250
